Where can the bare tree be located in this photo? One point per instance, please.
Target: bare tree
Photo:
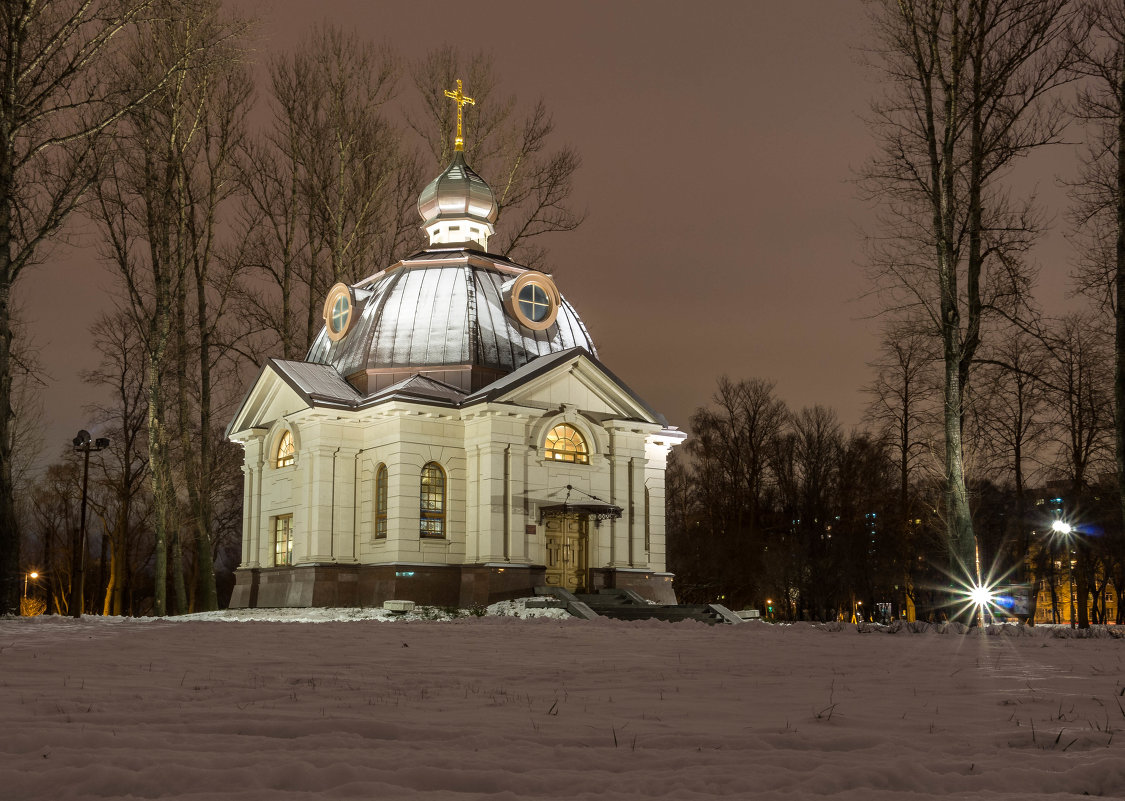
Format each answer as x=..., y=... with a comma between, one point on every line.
x=1099, y=198
x=730, y=450
x=61, y=91
x=203, y=332
x=330, y=189
x=817, y=442
x=158, y=189
x=902, y=409
x=54, y=516
x=125, y=467
x=966, y=87
x=901, y=405
x=1011, y=416
x=1077, y=375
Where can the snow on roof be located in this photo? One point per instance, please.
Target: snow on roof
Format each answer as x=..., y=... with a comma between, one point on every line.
x=427, y=313
x=319, y=384
x=418, y=387
x=544, y=364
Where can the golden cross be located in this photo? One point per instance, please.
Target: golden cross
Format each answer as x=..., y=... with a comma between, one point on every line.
x=460, y=100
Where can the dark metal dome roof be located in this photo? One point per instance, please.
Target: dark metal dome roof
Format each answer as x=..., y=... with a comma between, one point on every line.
x=458, y=193
x=444, y=308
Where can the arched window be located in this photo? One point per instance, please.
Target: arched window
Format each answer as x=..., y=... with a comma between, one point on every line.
x=566, y=444
x=285, y=454
x=381, y=502
x=432, y=508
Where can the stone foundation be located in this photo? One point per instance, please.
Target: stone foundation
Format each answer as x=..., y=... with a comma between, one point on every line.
x=461, y=586
x=369, y=585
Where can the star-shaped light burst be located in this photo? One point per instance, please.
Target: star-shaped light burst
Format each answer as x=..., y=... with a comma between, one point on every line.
x=979, y=597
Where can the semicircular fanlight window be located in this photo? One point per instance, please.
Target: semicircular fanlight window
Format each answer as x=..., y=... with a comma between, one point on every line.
x=565, y=444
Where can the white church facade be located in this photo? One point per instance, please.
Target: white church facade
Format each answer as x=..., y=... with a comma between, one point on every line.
x=451, y=438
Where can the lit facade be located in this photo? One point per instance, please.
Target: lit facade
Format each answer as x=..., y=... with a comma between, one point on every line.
x=451, y=438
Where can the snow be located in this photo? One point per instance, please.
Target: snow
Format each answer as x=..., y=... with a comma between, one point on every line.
x=237, y=706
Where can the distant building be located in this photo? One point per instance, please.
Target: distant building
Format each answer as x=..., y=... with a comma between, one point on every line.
x=451, y=438
x=1053, y=559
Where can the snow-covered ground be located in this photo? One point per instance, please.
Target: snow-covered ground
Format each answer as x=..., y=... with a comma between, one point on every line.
x=504, y=708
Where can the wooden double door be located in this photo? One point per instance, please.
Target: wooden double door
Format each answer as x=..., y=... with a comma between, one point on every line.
x=568, y=548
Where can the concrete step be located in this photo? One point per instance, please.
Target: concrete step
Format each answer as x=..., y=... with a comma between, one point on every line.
x=628, y=605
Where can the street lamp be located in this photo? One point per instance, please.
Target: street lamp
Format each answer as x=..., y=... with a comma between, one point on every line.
x=1064, y=529
x=84, y=444
x=26, y=576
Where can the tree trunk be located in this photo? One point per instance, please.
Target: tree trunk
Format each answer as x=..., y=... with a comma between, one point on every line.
x=162, y=490
x=1119, y=314
x=207, y=593
x=9, y=529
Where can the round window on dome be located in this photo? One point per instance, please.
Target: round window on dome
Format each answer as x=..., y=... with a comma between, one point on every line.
x=533, y=300
x=339, y=311
x=534, y=303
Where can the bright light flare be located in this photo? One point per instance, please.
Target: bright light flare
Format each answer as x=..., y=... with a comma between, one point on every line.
x=978, y=600
x=1062, y=527
x=981, y=596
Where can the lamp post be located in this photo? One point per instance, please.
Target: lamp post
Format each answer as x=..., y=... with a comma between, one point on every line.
x=26, y=576
x=84, y=444
x=1064, y=529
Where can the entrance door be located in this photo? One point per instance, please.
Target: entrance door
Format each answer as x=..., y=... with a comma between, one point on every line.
x=567, y=542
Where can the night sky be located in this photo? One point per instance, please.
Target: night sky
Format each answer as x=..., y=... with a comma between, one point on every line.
x=719, y=142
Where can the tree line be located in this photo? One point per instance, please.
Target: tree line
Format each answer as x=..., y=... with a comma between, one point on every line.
x=979, y=395
x=226, y=196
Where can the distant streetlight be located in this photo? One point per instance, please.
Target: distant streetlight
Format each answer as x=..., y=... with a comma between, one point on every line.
x=26, y=576
x=1065, y=530
x=83, y=443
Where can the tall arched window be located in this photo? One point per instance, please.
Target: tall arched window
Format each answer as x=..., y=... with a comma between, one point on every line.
x=432, y=507
x=381, y=502
x=285, y=455
x=565, y=444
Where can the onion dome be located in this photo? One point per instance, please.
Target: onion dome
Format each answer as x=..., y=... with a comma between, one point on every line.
x=458, y=207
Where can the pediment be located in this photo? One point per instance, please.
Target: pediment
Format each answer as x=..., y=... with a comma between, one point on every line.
x=269, y=399
x=578, y=381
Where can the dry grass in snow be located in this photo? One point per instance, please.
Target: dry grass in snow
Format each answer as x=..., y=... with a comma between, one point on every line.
x=503, y=708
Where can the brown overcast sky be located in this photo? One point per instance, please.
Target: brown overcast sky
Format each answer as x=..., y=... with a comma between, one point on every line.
x=718, y=142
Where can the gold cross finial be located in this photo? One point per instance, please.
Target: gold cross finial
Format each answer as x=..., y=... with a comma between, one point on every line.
x=460, y=99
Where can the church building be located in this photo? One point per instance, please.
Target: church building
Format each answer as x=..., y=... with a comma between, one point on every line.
x=451, y=438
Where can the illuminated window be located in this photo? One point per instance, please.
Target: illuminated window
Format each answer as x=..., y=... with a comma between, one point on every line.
x=648, y=521
x=285, y=453
x=565, y=444
x=283, y=540
x=381, y=502
x=432, y=507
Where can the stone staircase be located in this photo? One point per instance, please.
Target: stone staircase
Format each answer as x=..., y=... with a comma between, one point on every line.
x=628, y=605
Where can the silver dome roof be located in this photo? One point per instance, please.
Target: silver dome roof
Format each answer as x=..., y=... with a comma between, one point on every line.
x=444, y=308
x=458, y=193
